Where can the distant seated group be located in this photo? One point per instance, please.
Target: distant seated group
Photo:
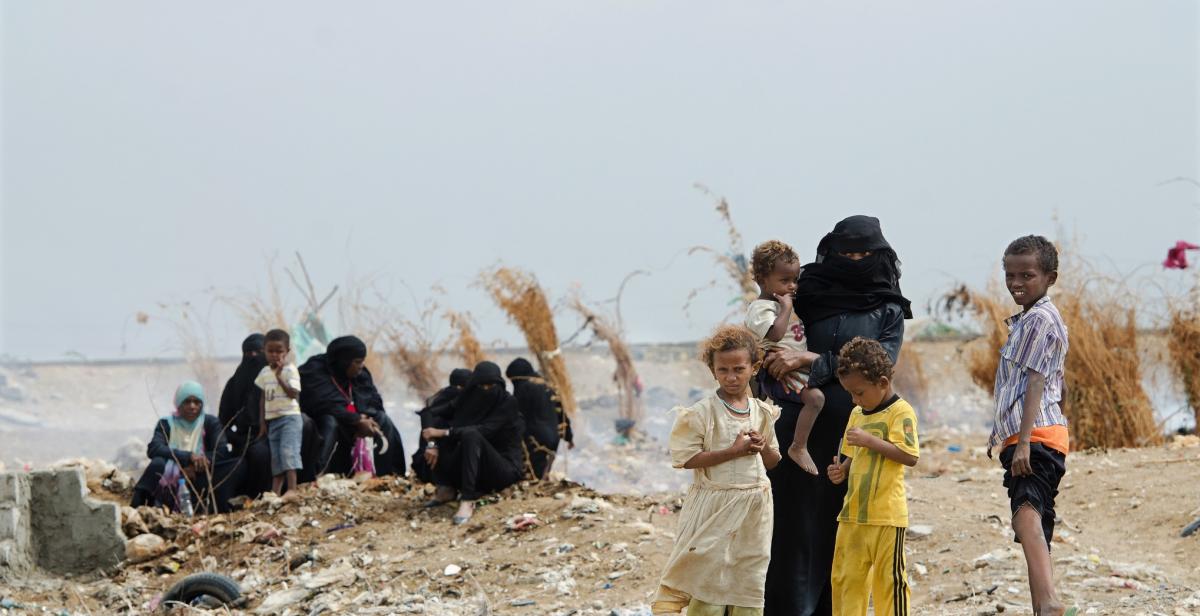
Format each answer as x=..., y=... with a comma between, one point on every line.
x=279, y=426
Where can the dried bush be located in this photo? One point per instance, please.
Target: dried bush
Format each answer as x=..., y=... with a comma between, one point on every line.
x=517, y=293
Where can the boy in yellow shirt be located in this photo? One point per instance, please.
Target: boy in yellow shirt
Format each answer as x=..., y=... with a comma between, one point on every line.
x=880, y=441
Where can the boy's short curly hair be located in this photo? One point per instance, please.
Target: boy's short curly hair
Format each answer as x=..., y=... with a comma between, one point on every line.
x=866, y=357
x=767, y=254
x=730, y=338
x=278, y=335
x=1042, y=248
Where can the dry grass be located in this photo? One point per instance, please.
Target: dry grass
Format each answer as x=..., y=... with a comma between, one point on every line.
x=1104, y=400
x=517, y=292
x=1183, y=345
x=465, y=342
x=194, y=333
x=910, y=378
x=625, y=377
x=733, y=260
x=261, y=312
x=368, y=322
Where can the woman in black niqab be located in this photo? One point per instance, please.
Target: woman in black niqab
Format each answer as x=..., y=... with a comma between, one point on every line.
x=542, y=414
x=479, y=452
x=851, y=289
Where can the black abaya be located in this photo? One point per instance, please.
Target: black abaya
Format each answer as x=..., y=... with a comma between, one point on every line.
x=324, y=399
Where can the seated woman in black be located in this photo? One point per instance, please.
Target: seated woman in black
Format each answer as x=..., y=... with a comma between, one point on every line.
x=188, y=445
x=337, y=391
x=433, y=416
x=480, y=451
x=545, y=422
x=238, y=412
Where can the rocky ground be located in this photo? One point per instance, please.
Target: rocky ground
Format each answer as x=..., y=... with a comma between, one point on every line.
x=560, y=548
x=563, y=548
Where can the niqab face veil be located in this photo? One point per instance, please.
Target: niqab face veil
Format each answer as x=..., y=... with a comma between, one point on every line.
x=834, y=284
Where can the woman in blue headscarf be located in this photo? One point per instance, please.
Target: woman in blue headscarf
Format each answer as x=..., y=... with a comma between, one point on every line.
x=186, y=444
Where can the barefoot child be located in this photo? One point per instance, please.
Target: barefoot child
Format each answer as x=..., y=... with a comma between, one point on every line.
x=723, y=545
x=880, y=441
x=1029, y=426
x=776, y=268
x=280, y=411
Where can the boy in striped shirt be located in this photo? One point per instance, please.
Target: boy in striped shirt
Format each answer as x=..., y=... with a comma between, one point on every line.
x=1030, y=428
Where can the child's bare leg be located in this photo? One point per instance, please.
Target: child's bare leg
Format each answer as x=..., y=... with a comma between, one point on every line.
x=813, y=401
x=1028, y=524
x=291, y=480
x=277, y=484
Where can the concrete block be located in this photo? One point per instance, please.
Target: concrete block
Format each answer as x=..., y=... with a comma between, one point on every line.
x=14, y=487
x=71, y=531
x=16, y=538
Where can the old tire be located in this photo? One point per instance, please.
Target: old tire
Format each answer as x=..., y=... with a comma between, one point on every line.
x=207, y=589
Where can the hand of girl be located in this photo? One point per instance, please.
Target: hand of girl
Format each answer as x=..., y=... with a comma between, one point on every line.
x=741, y=445
x=784, y=300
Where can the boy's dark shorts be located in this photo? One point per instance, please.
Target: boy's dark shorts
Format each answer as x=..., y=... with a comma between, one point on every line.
x=1039, y=489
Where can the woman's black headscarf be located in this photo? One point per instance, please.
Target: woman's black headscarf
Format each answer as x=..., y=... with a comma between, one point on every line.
x=459, y=377
x=475, y=403
x=520, y=368
x=834, y=284
x=235, y=398
x=342, y=352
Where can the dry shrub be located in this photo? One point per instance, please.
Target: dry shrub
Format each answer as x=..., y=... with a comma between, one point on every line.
x=733, y=261
x=367, y=321
x=465, y=341
x=910, y=379
x=1104, y=401
x=1183, y=344
x=517, y=292
x=194, y=333
x=990, y=309
x=261, y=313
x=629, y=404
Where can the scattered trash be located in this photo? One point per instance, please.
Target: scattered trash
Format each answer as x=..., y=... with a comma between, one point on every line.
x=525, y=521
x=522, y=602
x=919, y=531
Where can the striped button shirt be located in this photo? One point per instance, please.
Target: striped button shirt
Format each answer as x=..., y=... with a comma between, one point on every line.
x=1037, y=340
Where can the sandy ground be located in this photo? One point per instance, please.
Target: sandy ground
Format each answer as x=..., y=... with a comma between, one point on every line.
x=599, y=549
x=1117, y=549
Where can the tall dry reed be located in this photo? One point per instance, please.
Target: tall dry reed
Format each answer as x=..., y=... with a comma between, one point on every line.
x=732, y=260
x=517, y=293
x=464, y=341
x=629, y=403
x=1183, y=345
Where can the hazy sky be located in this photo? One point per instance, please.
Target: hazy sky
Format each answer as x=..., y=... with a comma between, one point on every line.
x=155, y=151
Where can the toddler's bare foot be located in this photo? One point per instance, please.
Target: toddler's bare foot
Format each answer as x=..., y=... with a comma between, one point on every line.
x=800, y=456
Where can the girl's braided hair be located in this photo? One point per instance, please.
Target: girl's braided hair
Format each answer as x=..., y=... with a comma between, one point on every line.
x=866, y=357
x=730, y=338
x=767, y=254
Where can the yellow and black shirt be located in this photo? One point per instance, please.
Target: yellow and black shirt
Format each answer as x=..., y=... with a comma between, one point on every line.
x=875, y=491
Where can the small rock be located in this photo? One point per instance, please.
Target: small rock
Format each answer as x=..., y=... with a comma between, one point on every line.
x=276, y=602
x=452, y=570
x=146, y=546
